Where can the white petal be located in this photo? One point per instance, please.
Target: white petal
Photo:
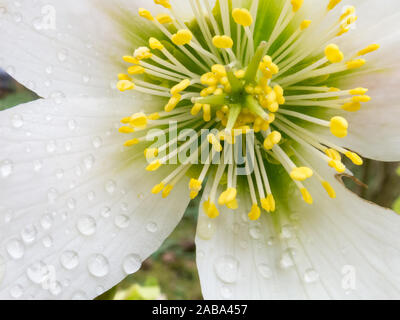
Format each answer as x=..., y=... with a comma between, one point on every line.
x=76, y=212
x=336, y=249
x=67, y=48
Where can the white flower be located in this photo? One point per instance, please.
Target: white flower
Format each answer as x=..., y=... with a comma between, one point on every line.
x=76, y=211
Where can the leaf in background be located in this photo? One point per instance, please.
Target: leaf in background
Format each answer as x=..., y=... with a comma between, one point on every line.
x=396, y=205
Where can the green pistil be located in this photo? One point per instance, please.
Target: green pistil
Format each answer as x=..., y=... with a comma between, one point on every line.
x=255, y=107
x=234, y=112
x=236, y=84
x=252, y=69
x=218, y=100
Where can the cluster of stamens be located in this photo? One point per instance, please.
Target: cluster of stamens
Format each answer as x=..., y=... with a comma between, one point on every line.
x=241, y=88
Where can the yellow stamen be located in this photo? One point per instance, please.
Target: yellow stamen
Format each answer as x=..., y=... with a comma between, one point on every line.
x=173, y=102
x=158, y=188
x=354, y=157
x=182, y=37
x=196, y=109
x=339, y=126
x=131, y=143
x=136, y=70
x=227, y=196
x=273, y=139
x=163, y=18
x=180, y=87
x=206, y=112
x=155, y=44
x=353, y=64
x=329, y=189
x=333, y=154
x=306, y=196
x=333, y=53
x=222, y=42
x=210, y=209
x=138, y=120
x=369, y=49
x=362, y=98
x=126, y=129
x=123, y=76
x=255, y=212
x=130, y=59
x=301, y=174
x=145, y=14
x=242, y=17
x=337, y=165
x=212, y=139
x=124, y=85
x=165, y=3
x=167, y=190
x=305, y=24
x=352, y=106
x=358, y=91
x=296, y=4
x=333, y=3
x=154, y=165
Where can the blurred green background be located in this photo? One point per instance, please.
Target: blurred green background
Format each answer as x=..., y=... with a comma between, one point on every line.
x=171, y=273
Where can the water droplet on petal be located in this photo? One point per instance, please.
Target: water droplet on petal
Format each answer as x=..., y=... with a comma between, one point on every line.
x=16, y=291
x=98, y=265
x=47, y=241
x=46, y=222
x=205, y=227
x=226, y=293
x=227, y=269
x=6, y=168
x=51, y=146
x=69, y=260
x=72, y=125
x=132, y=263
x=311, y=276
x=286, y=232
x=97, y=142
x=122, y=221
x=38, y=272
x=255, y=233
x=15, y=249
x=105, y=212
x=152, y=227
x=265, y=270
x=89, y=162
x=86, y=225
x=2, y=268
x=17, y=121
x=287, y=259
x=79, y=295
x=62, y=55
x=110, y=186
x=28, y=234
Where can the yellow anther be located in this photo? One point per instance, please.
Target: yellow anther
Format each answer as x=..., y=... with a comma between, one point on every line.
x=255, y=212
x=369, y=49
x=180, y=87
x=145, y=14
x=212, y=139
x=268, y=203
x=219, y=70
x=209, y=79
x=154, y=165
x=301, y=174
x=136, y=70
x=242, y=17
x=167, y=190
x=138, y=120
x=218, y=92
x=163, y=18
x=158, y=188
x=196, y=109
x=273, y=139
x=333, y=3
x=362, y=98
x=329, y=189
x=339, y=126
x=155, y=44
x=357, y=91
x=349, y=11
x=154, y=116
x=305, y=24
x=130, y=59
x=333, y=154
x=131, y=143
x=337, y=165
x=195, y=185
x=353, y=64
x=333, y=89
x=126, y=129
x=296, y=4
x=123, y=76
x=210, y=209
x=142, y=53
x=193, y=194
x=150, y=153
x=240, y=74
x=182, y=37
x=354, y=157
x=233, y=205
x=333, y=53
x=306, y=196
x=172, y=103
x=126, y=120
x=165, y=3
x=222, y=42
x=352, y=106
x=206, y=112
x=227, y=196
x=124, y=85
x=279, y=94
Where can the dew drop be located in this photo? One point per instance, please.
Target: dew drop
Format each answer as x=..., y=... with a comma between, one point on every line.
x=110, y=186
x=255, y=233
x=16, y=291
x=287, y=259
x=69, y=260
x=132, y=263
x=6, y=168
x=72, y=125
x=51, y=146
x=55, y=288
x=97, y=142
x=17, y=121
x=79, y=295
x=226, y=293
x=47, y=241
x=98, y=265
x=152, y=227
x=37, y=165
x=227, y=268
x=38, y=272
x=15, y=249
x=286, y=232
x=2, y=268
x=105, y=212
x=311, y=276
x=71, y=204
x=265, y=270
x=46, y=221
x=122, y=221
x=86, y=225
x=28, y=234
x=91, y=195
x=205, y=227
x=62, y=55
x=89, y=162
x=60, y=173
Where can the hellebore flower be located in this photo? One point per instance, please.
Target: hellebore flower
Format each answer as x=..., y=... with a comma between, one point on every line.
x=85, y=199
